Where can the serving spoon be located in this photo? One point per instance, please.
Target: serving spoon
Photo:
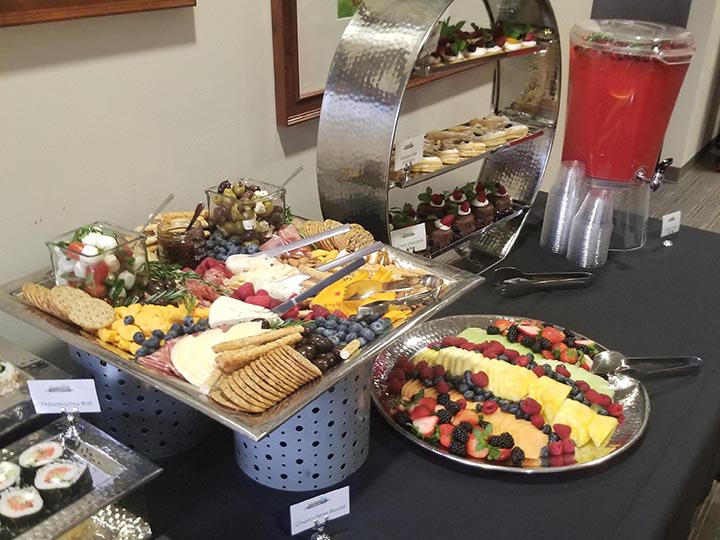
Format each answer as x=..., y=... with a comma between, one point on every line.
x=645, y=367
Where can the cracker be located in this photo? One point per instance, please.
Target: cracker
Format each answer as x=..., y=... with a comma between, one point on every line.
x=285, y=369
x=259, y=386
x=238, y=400
x=220, y=398
x=266, y=372
x=291, y=354
x=259, y=339
x=248, y=395
x=230, y=361
x=91, y=314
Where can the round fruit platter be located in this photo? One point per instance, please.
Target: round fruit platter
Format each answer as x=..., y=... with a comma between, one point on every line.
x=507, y=393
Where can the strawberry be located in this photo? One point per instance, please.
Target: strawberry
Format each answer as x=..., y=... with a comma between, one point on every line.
x=428, y=402
x=475, y=448
x=262, y=292
x=446, y=434
x=397, y=373
x=262, y=300
x=466, y=415
x=419, y=411
x=409, y=368
x=528, y=330
x=569, y=356
x=426, y=426
x=558, y=349
x=547, y=354
x=503, y=324
x=530, y=406
x=530, y=36
x=479, y=379
x=462, y=403
x=586, y=342
x=503, y=454
x=586, y=367
x=460, y=341
x=568, y=446
x=438, y=370
x=555, y=448
x=448, y=341
x=442, y=387
x=489, y=407
x=614, y=409
x=320, y=311
x=482, y=346
x=537, y=420
x=274, y=302
x=340, y=314
x=562, y=430
x=538, y=370
x=243, y=291
x=291, y=314
x=552, y=334
x=395, y=386
x=562, y=370
x=500, y=41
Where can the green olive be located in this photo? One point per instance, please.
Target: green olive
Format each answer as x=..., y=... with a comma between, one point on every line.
x=238, y=189
x=236, y=213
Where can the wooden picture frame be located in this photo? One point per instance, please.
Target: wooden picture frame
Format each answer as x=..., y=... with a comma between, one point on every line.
x=292, y=107
x=17, y=12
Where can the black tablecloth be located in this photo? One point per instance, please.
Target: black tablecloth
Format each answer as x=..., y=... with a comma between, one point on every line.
x=655, y=301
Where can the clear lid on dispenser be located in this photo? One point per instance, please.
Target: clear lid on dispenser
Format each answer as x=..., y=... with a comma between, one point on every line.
x=669, y=44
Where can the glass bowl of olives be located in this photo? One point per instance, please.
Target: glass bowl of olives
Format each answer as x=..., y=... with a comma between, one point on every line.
x=246, y=211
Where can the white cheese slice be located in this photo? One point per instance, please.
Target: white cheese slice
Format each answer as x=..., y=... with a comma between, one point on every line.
x=226, y=310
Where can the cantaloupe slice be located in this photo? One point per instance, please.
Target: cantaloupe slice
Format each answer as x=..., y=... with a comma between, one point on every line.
x=526, y=436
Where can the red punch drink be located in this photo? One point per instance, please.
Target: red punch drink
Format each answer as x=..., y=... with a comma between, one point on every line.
x=625, y=77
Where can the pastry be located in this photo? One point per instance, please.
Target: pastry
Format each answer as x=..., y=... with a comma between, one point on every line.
x=483, y=211
x=427, y=164
x=445, y=134
x=441, y=233
x=512, y=44
x=474, y=51
x=450, y=57
x=423, y=207
x=457, y=197
x=529, y=40
x=449, y=156
x=470, y=148
x=438, y=205
x=490, y=121
x=465, y=221
x=501, y=200
x=492, y=138
x=515, y=131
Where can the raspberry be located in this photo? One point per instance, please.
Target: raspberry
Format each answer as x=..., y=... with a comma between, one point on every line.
x=522, y=361
x=555, y=448
x=511, y=354
x=409, y=367
x=583, y=386
x=448, y=341
x=482, y=346
x=479, y=379
x=593, y=396
x=562, y=430
x=468, y=346
x=461, y=403
x=442, y=387
x=568, y=459
x=504, y=440
x=397, y=373
x=538, y=370
x=421, y=365
x=614, y=409
x=438, y=370
x=605, y=400
x=426, y=373
x=395, y=386
x=530, y=406
x=460, y=341
x=489, y=407
x=562, y=370
x=517, y=455
x=621, y=419
x=556, y=461
x=537, y=420
x=568, y=446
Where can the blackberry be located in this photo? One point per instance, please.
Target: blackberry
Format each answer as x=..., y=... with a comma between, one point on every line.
x=569, y=333
x=459, y=434
x=467, y=426
x=545, y=344
x=512, y=334
x=453, y=407
x=546, y=429
x=458, y=448
x=536, y=347
x=504, y=440
x=444, y=416
x=583, y=349
x=443, y=398
x=527, y=341
x=546, y=324
x=492, y=330
x=570, y=342
x=402, y=418
x=517, y=455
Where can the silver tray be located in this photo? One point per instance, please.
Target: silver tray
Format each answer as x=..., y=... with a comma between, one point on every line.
x=16, y=407
x=255, y=426
x=116, y=471
x=111, y=523
x=629, y=392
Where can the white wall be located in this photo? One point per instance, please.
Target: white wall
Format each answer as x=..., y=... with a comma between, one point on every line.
x=101, y=118
x=696, y=118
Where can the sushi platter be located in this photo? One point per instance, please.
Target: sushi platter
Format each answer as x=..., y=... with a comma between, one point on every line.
x=59, y=476
x=19, y=366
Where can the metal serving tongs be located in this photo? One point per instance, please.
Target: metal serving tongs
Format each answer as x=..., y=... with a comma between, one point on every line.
x=514, y=282
x=380, y=307
x=645, y=367
x=297, y=244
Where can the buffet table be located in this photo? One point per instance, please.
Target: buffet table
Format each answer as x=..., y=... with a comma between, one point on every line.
x=657, y=301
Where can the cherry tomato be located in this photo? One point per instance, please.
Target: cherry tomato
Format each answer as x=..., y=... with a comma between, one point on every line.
x=99, y=271
x=73, y=250
x=98, y=290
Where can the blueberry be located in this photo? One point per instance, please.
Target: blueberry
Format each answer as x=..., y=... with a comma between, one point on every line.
x=574, y=391
x=188, y=328
x=546, y=429
x=469, y=395
x=437, y=379
x=219, y=250
x=548, y=370
x=513, y=409
x=188, y=320
x=151, y=342
x=488, y=395
x=505, y=407
x=367, y=334
x=531, y=356
x=355, y=328
x=386, y=322
x=351, y=336
x=335, y=340
x=331, y=325
x=142, y=351
x=519, y=415
x=377, y=327
x=332, y=317
x=216, y=236
x=544, y=452
x=129, y=319
x=362, y=341
x=170, y=335
x=561, y=378
x=176, y=329
x=234, y=250
x=342, y=336
x=427, y=383
x=462, y=388
x=478, y=397
x=159, y=334
x=221, y=257
x=252, y=248
x=320, y=321
x=603, y=412
x=352, y=318
x=138, y=337
x=585, y=402
x=203, y=324
x=209, y=245
x=503, y=357
x=466, y=377
x=570, y=382
x=578, y=397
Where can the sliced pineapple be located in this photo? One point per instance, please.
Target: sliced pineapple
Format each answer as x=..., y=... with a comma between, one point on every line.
x=578, y=416
x=601, y=428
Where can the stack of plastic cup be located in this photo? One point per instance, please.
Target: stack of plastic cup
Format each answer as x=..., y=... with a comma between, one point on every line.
x=591, y=229
x=563, y=201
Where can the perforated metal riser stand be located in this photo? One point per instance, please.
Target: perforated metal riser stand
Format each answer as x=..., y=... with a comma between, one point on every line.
x=138, y=415
x=322, y=445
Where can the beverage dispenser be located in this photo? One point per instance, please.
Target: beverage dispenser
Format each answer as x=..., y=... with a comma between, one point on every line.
x=625, y=77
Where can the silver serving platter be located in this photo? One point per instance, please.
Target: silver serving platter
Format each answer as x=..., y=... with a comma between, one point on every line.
x=628, y=391
x=256, y=426
x=16, y=407
x=115, y=469
x=111, y=523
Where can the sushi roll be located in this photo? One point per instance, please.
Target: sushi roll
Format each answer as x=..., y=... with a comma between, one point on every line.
x=37, y=456
x=9, y=475
x=21, y=507
x=62, y=481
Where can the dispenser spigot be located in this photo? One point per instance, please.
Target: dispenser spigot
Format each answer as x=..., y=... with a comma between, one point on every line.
x=656, y=179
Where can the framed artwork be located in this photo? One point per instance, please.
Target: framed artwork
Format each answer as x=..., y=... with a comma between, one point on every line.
x=17, y=12
x=305, y=35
